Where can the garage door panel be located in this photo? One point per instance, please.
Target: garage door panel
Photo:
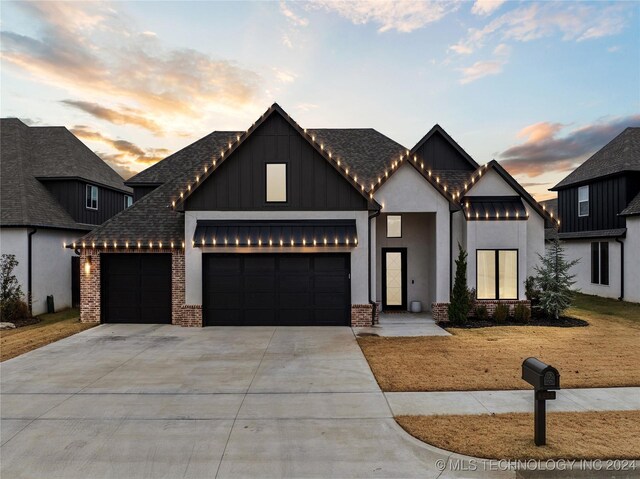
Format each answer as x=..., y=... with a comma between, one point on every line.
x=276, y=289
x=136, y=288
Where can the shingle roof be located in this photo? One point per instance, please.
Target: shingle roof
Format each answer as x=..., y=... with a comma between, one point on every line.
x=633, y=208
x=611, y=233
x=619, y=155
x=365, y=150
x=551, y=205
x=28, y=153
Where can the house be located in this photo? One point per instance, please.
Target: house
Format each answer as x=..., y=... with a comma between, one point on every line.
x=599, y=208
x=280, y=225
x=53, y=189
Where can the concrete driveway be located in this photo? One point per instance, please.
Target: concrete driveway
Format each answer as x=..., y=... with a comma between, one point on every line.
x=132, y=401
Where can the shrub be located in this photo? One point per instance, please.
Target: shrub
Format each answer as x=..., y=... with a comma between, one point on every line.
x=481, y=313
x=531, y=291
x=460, y=304
x=522, y=313
x=501, y=313
x=554, y=281
x=12, y=307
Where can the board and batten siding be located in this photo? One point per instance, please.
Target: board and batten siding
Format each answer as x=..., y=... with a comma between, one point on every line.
x=438, y=154
x=240, y=182
x=607, y=198
x=140, y=192
x=71, y=194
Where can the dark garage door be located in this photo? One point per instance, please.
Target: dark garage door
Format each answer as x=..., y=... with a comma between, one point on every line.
x=136, y=288
x=276, y=290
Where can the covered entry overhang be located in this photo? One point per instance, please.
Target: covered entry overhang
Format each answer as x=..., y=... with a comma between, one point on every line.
x=290, y=233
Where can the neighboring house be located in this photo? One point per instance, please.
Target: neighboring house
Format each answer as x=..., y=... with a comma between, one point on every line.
x=53, y=189
x=598, y=205
x=280, y=225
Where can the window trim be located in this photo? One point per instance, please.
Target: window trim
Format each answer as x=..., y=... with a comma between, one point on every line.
x=497, y=275
x=89, y=196
x=599, y=263
x=126, y=201
x=581, y=188
x=387, y=225
x=286, y=182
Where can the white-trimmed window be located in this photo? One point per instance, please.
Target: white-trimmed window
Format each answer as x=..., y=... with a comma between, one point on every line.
x=394, y=226
x=497, y=274
x=583, y=201
x=92, y=197
x=600, y=262
x=128, y=201
x=276, y=182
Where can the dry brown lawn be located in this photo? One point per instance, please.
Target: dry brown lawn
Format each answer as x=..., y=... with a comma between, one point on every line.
x=604, y=354
x=53, y=327
x=579, y=435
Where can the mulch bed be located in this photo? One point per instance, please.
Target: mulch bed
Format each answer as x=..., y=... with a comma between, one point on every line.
x=25, y=322
x=562, y=322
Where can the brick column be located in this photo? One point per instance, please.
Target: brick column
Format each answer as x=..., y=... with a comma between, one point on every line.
x=89, y=286
x=361, y=315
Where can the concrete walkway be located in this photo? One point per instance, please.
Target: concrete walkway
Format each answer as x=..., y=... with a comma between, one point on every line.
x=135, y=401
x=403, y=324
x=486, y=402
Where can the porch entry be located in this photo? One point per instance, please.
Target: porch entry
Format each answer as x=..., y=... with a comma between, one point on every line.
x=394, y=278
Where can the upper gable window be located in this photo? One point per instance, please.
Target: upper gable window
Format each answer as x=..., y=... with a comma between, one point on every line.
x=394, y=226
x=92, y=197
x=276, y=174
x=583, y=201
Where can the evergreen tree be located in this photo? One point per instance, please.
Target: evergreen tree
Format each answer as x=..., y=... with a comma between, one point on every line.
x=460, y=304
x=554, y=280
x=10, y=291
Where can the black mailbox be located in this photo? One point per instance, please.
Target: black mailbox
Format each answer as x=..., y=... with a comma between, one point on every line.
x=544, y=379
x=540, y=375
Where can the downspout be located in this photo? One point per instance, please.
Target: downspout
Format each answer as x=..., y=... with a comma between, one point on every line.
x=29, y=262
x=370, y=282
x=450, y=253
x=618, y=240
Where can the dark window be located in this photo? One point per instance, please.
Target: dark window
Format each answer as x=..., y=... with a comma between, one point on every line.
x=128, y=201
x=276, y=183
x=600, y=263
x=497, y=274
x=394, y=226
x=583, y=201
x=92, y=197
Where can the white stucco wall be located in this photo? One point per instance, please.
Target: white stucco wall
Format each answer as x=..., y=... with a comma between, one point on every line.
x=632, y=260
x=418, y=236
x=51, y=271
x=408, y=192
x=525, y=235
x=193, y=255
x=581, y=250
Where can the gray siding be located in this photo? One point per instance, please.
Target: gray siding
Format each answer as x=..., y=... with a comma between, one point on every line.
x=312, y=183
x=71, y=194
x=140, y=191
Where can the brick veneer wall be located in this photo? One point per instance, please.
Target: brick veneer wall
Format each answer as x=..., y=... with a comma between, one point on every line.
x=181, y=314
x=440, y=310
x=361, y=315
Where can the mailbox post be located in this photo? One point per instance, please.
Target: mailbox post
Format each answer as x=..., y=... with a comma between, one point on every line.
x=545, y=380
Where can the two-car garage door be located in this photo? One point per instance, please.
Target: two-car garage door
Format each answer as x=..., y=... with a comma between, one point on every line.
x=276, y=289
x=238, y=289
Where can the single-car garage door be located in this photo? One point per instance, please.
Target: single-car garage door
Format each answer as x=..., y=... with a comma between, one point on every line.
x=276, y=290
x=136, y=288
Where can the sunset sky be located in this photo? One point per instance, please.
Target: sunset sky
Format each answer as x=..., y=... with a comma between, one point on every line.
x=537, y=86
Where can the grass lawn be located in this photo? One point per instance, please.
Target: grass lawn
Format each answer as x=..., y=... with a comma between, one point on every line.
x=570, y=435
x=603, y=354
x=53, y=327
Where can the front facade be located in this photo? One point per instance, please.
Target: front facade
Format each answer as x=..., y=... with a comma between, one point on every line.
x=53, y=190
x=280, y=225
x=599, y=208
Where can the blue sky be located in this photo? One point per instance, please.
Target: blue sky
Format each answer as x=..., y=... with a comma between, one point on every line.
x=537, y=86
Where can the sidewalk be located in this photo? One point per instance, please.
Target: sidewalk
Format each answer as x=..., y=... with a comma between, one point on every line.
x=487, y=402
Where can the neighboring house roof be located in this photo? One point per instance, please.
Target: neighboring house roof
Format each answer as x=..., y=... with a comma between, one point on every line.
x=551, y=205
x=618, y=156
x=633, y=208
x=28, y=153
x=611, y=233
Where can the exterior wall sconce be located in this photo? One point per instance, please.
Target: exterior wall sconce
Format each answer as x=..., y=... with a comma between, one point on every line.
x=87, y=265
